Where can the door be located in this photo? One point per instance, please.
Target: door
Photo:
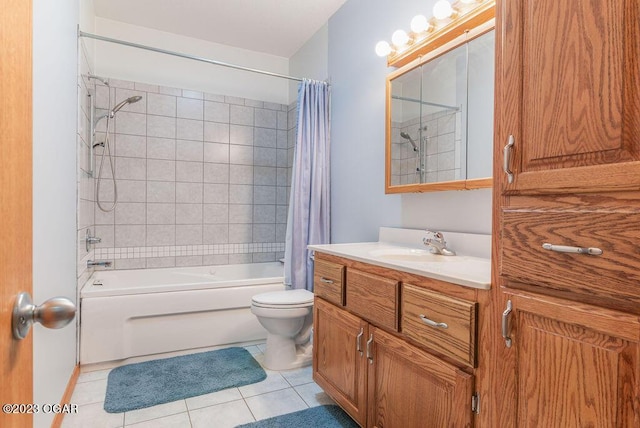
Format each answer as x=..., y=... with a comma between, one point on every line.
x=410, y=388
x=15, y=202
x=573, y=365
x=568, y=74
x=339, y=363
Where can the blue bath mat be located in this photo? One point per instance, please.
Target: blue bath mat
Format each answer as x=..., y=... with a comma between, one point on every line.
x=136, y=386
x=316, y=417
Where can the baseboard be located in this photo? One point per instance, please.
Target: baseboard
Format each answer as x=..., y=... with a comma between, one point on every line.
x=66, y=398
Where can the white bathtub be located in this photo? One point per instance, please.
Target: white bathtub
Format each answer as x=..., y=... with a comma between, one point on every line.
x=150, y=311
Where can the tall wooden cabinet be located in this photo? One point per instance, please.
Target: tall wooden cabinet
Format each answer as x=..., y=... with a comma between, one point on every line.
x=566, y=261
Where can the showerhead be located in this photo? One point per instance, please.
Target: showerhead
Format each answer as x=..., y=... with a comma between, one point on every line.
x=408, y=137
x=129, y=100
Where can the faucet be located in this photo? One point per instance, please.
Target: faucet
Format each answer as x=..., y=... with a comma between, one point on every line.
x=103, y=263
x=436, y=243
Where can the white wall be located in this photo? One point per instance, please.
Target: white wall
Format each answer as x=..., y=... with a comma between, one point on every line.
x=311, y=60
x=359, y=205
x=126, y=63
x=54, y=191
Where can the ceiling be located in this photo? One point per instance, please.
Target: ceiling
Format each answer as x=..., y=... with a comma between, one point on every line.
x=276, y=27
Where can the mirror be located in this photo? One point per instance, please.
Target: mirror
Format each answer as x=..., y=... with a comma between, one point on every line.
x=440, y=117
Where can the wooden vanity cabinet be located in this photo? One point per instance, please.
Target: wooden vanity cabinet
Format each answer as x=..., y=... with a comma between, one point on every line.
x=410, y=388
x=567, y=78
x=339, y=362
x=382, y=377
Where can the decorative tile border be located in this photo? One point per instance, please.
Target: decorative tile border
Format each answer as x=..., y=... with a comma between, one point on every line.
x=186, y=250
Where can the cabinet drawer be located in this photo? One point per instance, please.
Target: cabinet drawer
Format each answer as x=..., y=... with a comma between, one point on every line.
x=610, y=279
x=373, y=297
x=456, y=337
x=328, y=281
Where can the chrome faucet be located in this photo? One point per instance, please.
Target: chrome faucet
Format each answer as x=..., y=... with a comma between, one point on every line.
x=436, y=243
x=103, y=263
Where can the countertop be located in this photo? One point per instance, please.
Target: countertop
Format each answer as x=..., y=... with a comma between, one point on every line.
x=473, y=272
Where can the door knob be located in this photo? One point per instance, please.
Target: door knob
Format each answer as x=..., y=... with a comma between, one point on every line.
x=53, y=313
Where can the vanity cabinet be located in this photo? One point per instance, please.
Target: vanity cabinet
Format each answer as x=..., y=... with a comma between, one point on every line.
x=567, y=215
x=339, y=364
x=378, y=364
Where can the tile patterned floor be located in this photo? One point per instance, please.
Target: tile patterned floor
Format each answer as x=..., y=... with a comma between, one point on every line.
x=281, y=392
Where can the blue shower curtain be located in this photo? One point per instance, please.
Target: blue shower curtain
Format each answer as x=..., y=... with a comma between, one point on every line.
x=308, y=219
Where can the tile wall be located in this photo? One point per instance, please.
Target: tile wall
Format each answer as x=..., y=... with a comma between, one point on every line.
x=85, y=183
x=443, y=156
x=202, y=179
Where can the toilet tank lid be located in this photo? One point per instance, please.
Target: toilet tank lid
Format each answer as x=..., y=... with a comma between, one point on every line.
x=287, y=297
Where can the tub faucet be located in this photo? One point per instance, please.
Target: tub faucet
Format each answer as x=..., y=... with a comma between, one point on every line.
x=436, y=243
x=103, y=263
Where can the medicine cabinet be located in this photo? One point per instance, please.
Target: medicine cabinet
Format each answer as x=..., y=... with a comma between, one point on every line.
x=439, y=117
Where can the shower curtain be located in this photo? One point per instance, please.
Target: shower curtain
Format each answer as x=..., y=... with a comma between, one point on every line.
x=308, y=218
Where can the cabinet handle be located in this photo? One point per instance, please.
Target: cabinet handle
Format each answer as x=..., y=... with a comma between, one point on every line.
x=325, y=280
x=369, y=343
x=359, y=341
x=507, y=158
x=432, y=323
x=505, y=324
x=577, y=250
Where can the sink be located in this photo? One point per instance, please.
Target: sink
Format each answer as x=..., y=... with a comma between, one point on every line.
x=411, y=255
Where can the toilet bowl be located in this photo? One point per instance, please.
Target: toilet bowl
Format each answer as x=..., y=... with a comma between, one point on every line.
x=288, y=318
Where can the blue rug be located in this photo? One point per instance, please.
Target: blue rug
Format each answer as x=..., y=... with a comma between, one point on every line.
x=316, y=417
x=136, y=386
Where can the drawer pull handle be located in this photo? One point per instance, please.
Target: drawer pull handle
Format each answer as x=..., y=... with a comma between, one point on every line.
x=577, y=250
x=505, y=324
x=359, y=341
x=506, y=166
x=432, y=323
x=369, y=343
x=325, y=280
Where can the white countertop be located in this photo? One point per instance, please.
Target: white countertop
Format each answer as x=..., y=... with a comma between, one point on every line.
x=468, y=271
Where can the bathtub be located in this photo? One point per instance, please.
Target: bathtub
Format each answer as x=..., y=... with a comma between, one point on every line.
x=129, y=313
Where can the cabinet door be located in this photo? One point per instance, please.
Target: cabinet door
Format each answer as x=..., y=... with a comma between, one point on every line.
x=574, y=365
x=339, y=367
x=568, y=77
x=409, y=388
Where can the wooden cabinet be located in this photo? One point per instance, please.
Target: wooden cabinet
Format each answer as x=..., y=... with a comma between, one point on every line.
x=375, y=372
x=568, y=74
x=339, y=363
x=574, y=365
x=567, y=78
x=410, y=388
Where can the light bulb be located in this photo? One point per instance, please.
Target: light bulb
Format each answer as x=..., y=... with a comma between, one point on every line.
x=442, y=9
x=419, y=24
x=399, y=38
x=383, y=48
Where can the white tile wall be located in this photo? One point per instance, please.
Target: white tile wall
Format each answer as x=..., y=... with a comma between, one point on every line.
x=202, y=178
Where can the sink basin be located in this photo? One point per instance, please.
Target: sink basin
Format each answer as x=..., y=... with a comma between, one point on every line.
x=412, y=255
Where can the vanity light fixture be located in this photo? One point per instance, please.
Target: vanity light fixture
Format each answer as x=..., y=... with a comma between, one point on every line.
x=399, y=38
x=447, y=15
x=442, y=10
x=419, y=24
x=383, y=48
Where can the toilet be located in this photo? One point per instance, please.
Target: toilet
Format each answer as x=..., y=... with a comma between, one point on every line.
x=288, y=318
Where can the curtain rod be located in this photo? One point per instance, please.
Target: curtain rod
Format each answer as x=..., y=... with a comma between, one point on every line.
x=181, y=55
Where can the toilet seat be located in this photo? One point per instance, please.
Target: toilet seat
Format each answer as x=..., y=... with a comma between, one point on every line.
x=288, y=299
